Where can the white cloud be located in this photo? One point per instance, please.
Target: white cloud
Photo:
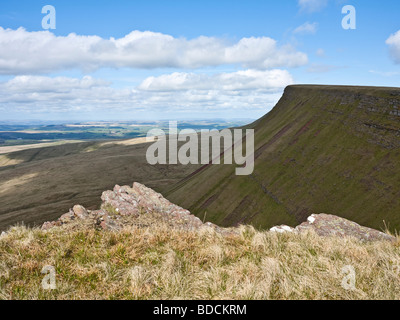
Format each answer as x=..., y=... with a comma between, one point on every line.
x=268, y=80
x=45, y=94
x=23, y=52
x=24, y=84
x=248, y=89
x=307, y=28
x=312, y=5
x=394, y=45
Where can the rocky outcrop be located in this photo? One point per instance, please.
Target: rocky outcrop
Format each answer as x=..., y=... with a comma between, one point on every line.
x=328, y=225
x=136, y=205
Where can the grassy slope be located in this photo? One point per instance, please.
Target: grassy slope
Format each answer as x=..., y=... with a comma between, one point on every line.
x=164, y=263
x=40, y=184
x=321, y=149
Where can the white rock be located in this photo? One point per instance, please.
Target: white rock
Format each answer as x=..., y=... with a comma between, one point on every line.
x=311, y=219
x=281, y=229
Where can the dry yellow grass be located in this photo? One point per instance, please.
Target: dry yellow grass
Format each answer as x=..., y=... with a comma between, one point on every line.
x=10, y=149
x=129, y=142
x=162, y=263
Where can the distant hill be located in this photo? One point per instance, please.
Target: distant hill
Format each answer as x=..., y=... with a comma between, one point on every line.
x=333, y=149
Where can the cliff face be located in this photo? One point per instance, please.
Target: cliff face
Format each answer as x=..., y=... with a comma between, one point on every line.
x=321, y=149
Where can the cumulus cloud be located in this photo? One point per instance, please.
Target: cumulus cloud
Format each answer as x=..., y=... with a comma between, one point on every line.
x=306, y=28
x=26, y=84
x=46, y=94
x=312, y=5
x=268, y=80
x=394, y=45
x=248, y=89
x=23, y=52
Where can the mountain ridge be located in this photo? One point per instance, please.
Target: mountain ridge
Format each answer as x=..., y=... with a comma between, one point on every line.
x=328, y=149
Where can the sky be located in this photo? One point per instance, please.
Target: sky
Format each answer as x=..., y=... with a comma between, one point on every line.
x=157, y=60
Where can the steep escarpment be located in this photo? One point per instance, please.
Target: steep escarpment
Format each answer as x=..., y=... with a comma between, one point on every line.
x=331, y=149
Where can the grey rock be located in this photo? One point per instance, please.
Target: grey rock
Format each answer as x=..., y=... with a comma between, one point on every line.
x=330, y=225
x=80, y=212
x=326, y=225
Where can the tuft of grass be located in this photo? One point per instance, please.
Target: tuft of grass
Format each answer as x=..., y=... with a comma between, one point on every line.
x=110, y=209
x=159, y=262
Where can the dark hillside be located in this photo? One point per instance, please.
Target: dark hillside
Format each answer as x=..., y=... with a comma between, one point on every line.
x=326, y=149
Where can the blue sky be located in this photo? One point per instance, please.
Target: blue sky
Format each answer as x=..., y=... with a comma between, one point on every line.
x=128, y=60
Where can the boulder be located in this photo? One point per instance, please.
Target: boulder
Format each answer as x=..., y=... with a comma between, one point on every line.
x=282, y=229
x=67, y=217
x=80, y=212
x=329, y=225
x=48, y=225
